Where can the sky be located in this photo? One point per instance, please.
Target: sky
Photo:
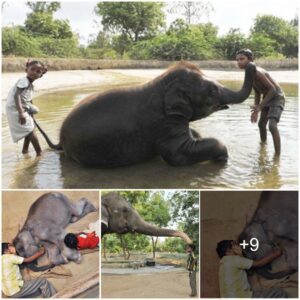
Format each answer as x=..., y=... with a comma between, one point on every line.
x=227, y=14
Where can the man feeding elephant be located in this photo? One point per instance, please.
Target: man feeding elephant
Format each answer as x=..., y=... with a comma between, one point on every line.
x=232, y=272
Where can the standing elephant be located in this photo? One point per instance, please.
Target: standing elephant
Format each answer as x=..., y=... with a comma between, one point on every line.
x=118, y=216
x=275, y=221
x=127, y=126
x=45, y=225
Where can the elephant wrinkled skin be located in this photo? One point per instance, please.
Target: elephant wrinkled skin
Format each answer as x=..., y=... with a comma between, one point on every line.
x=275, y=221
x=127, y=126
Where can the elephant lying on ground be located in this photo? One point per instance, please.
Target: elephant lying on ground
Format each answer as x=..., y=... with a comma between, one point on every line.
x=45, y=225
x=118, y=216
x=275, y=221
x=127, y=126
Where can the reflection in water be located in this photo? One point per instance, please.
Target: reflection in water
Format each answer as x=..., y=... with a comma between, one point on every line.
x=267, y=169
x=249, y=166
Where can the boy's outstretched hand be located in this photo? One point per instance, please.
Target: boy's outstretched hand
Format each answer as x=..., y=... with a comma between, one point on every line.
x=254, y=113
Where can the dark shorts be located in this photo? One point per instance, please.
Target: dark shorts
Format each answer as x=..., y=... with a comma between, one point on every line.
x=273, y=112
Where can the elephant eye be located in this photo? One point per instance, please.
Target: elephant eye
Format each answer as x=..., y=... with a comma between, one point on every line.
x=125, y=209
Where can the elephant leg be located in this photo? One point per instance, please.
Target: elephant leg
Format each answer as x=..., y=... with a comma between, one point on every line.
x=82, y=208
x=180, y=149
x=55, y=256
x=53, y=235
x=195, y=134
x=71, y=254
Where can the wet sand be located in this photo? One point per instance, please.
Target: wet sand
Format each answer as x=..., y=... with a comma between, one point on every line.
x=15, y=206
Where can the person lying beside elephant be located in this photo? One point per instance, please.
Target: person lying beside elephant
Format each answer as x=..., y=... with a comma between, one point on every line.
x=13, y=284
x=232, y=272
x=82, y=240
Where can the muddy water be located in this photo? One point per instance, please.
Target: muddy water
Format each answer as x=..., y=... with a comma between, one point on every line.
x=250, y=165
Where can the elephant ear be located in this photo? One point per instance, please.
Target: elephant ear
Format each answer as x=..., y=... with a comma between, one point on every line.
x=104, y=219
x=177, y=100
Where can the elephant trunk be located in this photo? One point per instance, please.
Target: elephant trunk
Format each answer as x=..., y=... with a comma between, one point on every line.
x=148, y=229
x=231, y=97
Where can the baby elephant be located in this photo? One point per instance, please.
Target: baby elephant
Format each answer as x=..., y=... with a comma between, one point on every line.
x=45, y=225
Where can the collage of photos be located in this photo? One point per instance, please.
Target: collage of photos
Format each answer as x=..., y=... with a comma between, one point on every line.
x=149, y=149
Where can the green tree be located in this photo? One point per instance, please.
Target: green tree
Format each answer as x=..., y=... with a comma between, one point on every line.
x=43, y=6
x=43, y=24
x=283, y=33
x=155, y=211
x=181, y=41
x=185, y=211
x=173, y=245
x=16, y=42
x=228, y=45
x=262, y=45
x=136, y=20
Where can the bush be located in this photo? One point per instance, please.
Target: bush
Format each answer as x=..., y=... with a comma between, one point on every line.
x=58, y=47
x=103, y=53
x=188, y=42
x=16, y=42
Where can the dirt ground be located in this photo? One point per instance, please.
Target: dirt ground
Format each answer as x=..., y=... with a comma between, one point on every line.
x=159, y=285
x=15, y=205
x=223, y=216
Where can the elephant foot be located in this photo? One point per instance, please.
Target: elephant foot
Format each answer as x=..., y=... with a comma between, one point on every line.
x=79, y=259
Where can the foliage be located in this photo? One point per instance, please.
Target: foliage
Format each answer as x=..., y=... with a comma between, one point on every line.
x=43, y=6
x=59, y=47
x=181, y=41
x=228, y=45
x=43, y=24
x=173, y=245
x=283, y=33
x=16, y=42
x=185, y=211
x=262, y=45
x=135, y=20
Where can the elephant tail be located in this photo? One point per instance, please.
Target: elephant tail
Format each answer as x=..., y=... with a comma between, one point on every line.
x=50, y=144
x=276, y=275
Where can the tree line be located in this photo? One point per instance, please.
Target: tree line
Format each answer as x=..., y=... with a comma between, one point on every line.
x=138, y=30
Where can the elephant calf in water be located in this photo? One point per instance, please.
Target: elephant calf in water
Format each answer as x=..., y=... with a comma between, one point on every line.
x=275, y=221
x=45, y=225
x=127, y=126
x=118, y=216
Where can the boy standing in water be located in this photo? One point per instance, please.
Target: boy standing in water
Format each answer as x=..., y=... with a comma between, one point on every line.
x=272, y=103
x=19, y=107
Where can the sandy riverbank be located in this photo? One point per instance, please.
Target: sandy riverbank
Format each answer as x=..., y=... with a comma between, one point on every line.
x=60, y=80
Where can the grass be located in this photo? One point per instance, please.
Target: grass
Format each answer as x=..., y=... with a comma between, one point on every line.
x=17, y=64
